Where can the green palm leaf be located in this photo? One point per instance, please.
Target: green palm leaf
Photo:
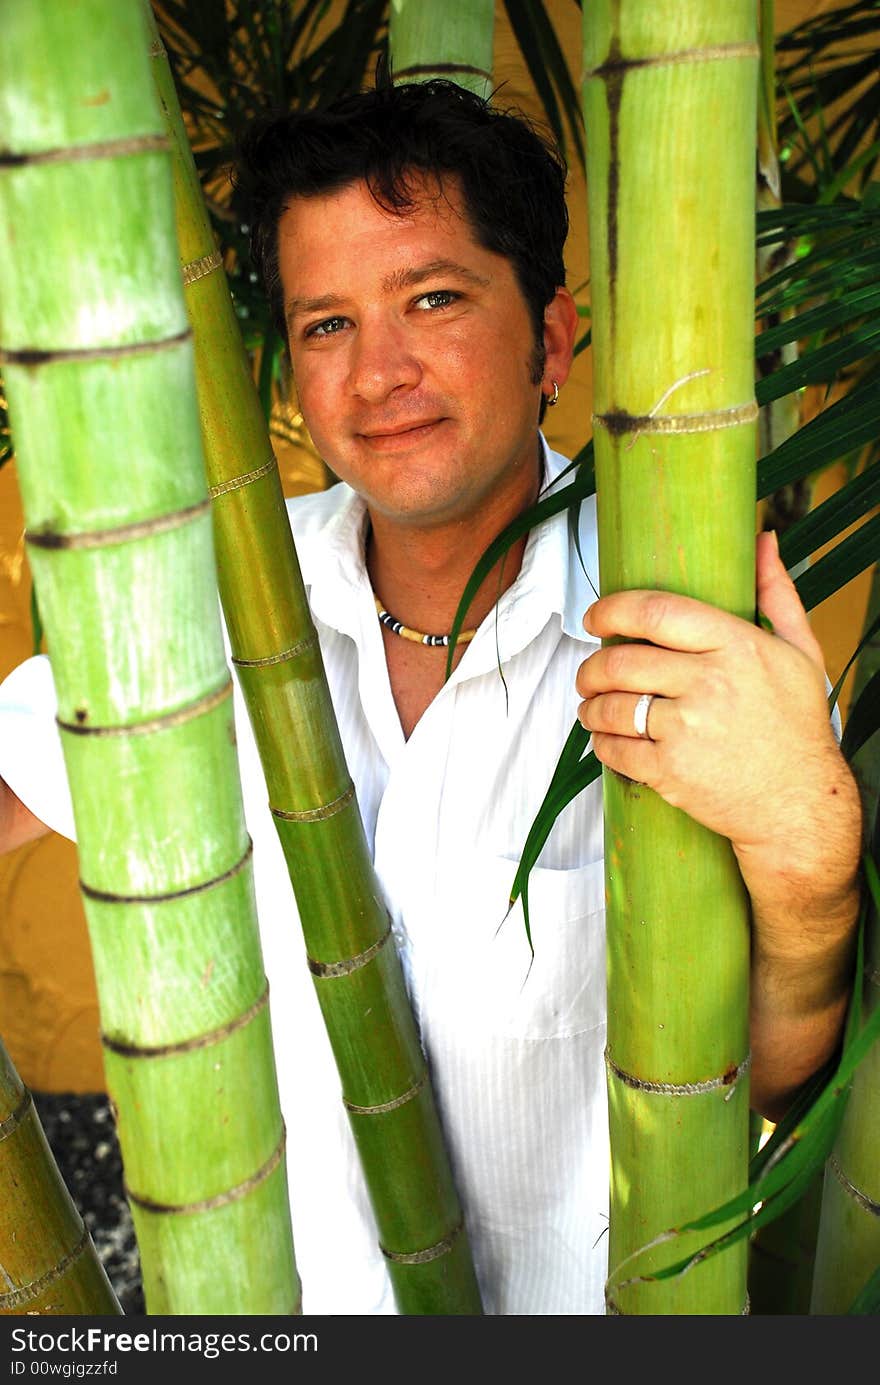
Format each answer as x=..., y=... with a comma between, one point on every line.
x=548, y=70
x=828, y=65
x=863, y=719
x=868, y=1301
x=830, y=518
x=850, y=557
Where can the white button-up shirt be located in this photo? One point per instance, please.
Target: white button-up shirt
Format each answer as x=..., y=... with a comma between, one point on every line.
x=514, y=1052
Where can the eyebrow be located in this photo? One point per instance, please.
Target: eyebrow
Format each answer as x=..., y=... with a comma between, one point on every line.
x=409, y=278
x=398, y=279
x=299, y=307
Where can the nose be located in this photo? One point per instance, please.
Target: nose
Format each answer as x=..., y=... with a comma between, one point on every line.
x=382, y=361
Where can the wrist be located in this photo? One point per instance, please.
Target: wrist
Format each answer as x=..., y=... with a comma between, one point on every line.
x=803, y=951
x=807, y=876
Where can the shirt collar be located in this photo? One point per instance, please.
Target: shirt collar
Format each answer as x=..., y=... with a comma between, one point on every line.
x=554, y=578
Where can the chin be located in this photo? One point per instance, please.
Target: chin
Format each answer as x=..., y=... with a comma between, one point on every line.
x=420, y=511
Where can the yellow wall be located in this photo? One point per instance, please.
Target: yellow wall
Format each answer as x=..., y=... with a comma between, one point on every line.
x=48, y=1006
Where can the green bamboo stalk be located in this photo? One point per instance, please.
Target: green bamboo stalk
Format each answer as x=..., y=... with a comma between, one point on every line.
x=354, y=963
x=102, y=405
x=453, y=40
x=48, y=1262
x=669, y=100
x=848, y=1246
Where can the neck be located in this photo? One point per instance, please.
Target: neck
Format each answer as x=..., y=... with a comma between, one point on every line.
x=420, y=573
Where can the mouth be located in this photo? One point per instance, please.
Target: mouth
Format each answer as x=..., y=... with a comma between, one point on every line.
x=402, y=435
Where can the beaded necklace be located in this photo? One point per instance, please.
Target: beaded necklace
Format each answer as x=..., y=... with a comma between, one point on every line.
x=398, y=628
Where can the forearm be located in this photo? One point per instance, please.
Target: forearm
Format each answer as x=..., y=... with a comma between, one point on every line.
x=796, y=1018
x=803, y=946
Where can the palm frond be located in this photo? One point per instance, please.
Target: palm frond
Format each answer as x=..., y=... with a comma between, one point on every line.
x=549, y=70
x=827, y=71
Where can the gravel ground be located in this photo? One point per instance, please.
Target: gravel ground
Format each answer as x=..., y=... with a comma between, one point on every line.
x=82, y=1137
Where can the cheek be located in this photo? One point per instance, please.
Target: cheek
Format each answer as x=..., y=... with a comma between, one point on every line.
x=454, y=360
x=317, y=390
x=510, y=395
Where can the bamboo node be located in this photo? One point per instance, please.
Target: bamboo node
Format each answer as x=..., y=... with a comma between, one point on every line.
x=327, y=810
x=101, y=149
x=422, y=1257
x=200, y=268
x=124, y=533
x=28, y=1292
x=716, y=52
x=349, y=964
x=388, y=1105
x=729, y=1078
x=301, y=647
x=866, y=1203
x=208, y=1204
x=165, y=722
x=215, y=1036
x=31, y=356
x=10, y=1123
x=619, y=422
x=418, y=71
x=236, y=482
x=105, y=897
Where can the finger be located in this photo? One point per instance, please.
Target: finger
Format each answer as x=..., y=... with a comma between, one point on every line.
x=637, y=668
x=664, y=618
x=615, y=714
x=638, y=760
x=779, y=602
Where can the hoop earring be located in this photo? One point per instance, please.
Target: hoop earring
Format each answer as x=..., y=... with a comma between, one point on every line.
x=554, y=397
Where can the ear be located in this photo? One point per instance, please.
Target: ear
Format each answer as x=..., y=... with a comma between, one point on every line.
x=560, y=329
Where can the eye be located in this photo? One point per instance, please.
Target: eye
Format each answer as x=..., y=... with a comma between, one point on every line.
x=328, y=328
x=437, y=298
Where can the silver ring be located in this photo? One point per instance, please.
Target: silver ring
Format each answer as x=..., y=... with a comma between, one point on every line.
x=640, y=716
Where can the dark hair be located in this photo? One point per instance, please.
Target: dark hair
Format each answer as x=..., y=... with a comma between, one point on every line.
x=512, y=177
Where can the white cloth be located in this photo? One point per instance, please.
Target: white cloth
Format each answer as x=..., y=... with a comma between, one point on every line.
x=515, y=1054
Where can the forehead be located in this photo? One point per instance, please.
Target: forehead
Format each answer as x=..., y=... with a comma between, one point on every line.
x=346, y=234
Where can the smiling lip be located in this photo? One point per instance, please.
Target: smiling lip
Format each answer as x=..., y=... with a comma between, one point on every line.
x=391, y=436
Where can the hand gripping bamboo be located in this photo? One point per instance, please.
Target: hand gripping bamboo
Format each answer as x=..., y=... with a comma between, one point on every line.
x=353, y=960
x=98, y=366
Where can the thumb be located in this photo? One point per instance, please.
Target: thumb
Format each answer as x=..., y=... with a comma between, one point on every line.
x=779, y=602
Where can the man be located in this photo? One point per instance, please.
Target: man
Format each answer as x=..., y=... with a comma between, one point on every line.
x=411, y=241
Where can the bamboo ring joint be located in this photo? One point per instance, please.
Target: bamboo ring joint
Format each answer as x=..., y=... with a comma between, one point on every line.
x=209, y=1204
x=349, y=964
x=391, y=1105
x=28, y=1292
x=214, y=1036
x=423, y=1257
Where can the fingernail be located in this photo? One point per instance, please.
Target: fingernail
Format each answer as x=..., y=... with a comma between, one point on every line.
x=587, y=624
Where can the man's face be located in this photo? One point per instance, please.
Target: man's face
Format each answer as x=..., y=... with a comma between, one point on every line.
x=413, y=353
